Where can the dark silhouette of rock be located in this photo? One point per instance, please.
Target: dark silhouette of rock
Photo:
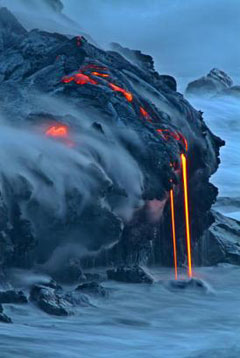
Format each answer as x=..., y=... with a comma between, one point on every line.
x=214, y=82
x=220, y=243
x=50, y=301
x=129, y=274
x=190, y=284
x=13, y=296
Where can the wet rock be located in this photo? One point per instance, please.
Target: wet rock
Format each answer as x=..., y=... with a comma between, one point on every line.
x=189, y=284
x=13, y=296
x=3, y=317
x=130, y=274
x=233, y=91
x=93, y=276
x=50, y=301
x=214, y=82
x=220, y=243
x=92, y=288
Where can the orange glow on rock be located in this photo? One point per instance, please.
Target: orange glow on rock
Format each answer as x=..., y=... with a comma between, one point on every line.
x=166, y=134
x=126, y=94
x=79, y=79
x=173, y=233
x=59, y=131
x=186, y=207
x=145, y=114
x=100, y=74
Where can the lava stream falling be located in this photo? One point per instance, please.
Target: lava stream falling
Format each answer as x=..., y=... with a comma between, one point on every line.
x=186, y=206
x=57, y=131
x=173, y=232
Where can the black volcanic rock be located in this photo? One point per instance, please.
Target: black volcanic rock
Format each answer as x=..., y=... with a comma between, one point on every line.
x=92, y=288
x=214, y=82
x=221, y=243
x=126, y=164
x=129, y=274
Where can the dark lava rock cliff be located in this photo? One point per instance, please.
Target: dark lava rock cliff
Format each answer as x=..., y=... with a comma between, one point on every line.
x=91, y=145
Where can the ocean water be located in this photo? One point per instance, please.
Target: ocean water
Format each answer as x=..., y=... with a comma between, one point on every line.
x=136, y=321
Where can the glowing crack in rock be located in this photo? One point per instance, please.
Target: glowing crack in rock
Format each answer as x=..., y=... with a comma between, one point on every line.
x=79, y=79
x=126, y=94
x=100, y=74
x=167, y=134
x=145, y=114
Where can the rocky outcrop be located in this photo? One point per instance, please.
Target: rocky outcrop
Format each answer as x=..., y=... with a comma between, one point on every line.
x=92, y=288
x=104, y=184
x=221, y=243
x=133, y=274
x=213, y=83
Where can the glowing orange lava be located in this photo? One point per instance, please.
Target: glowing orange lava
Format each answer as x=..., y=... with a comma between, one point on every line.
x=59, y=131
x=186, y=205
x=126, y=94
x=166, y=133
x=145, y=114
x=173, y=232
x=79, y=79
x=100, y=74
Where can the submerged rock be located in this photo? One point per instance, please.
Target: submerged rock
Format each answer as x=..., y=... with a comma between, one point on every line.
x=50, y=301
x=3, y=317
x=214, y=82
x=189, y=284
x=129, y=274
x=13, y=296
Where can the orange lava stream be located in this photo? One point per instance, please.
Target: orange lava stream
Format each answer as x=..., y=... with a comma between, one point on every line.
x=79, y=79
x=126, y=94
x=145, y=114
x=187, y=220
x=173, y=233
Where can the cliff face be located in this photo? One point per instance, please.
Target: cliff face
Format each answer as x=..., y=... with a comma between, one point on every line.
x=93, y=140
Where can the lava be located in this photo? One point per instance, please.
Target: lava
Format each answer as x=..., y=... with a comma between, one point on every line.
x=166, y=133
x=59, y=131
x=100, y=74
x=173, y=232
x=79, y=79
x=145, y=114
x=186, y=206
x=126, y=94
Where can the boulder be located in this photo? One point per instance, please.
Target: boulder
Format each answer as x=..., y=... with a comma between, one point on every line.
x=50, y=301
x=92, y=288
x=189, y=284
x=129, y=274
x=214, y=82
x=220, y=243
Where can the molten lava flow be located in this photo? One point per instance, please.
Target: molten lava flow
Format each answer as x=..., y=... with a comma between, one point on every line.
x=145, y=114
x=126, y=94
x=79, y=79
x=100, y=74
x=187, y=221
x=173, y=232
x=166, y=133
x=59, y=131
